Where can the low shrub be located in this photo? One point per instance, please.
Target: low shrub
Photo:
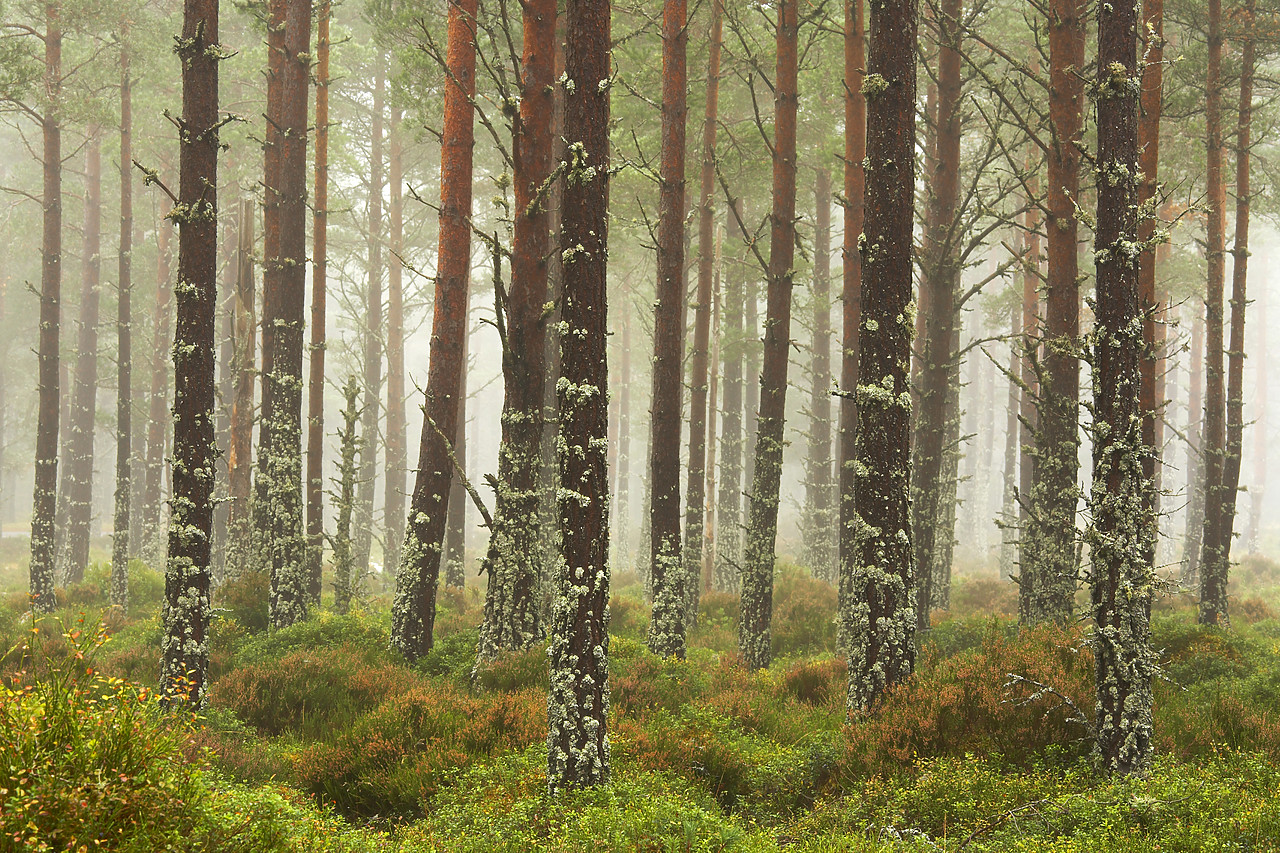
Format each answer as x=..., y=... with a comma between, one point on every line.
x=517, y=671
x=244, y=599
x=983, y=595
x=804, y=614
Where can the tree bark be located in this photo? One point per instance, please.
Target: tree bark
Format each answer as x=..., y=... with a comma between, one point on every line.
x=855, y=151
x=239, y=453
x=819, y=488
x=707, y=569
x=41, y=572
x=1195, y=456
x=157, y=420
x=754, y=633
x=124, y=341
x=1213, y=576
x=1009, y=498
x=455, y=537
x=729, y=506
x=414, y=608
x=1122, y=536
x=1150, y=106
x=284, y=543
x=881, y=624
x=512, y=601
x=669, y=576
x=578, y=706
x=696, y=493
x=397, y=425
x=184, y=652
x=319, y=284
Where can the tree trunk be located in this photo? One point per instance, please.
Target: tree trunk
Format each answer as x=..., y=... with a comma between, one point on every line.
x=1149, y=162
x=1213, y=574
x=729, y=506
x=344, y=585
x=1195, y=457
x=184, y=652
x=881, y=629
x=225, y=393
x=157, y=420
x=1122, y=537
x=855, y=150
x=942, y=270
x=1049, y=554
x=78, y=475
x=1030, y=367
x=669, y=577
x=1258, y=488
x=578, y=706
x=284, y=544
x=512, y=601
x=455, y=538
x=622, y=513
x=397, y=425
x=319, y=284
x=413, y=611
x=696, y=496
x=707, y=569
x=124, y=341
x=820, y=523
x=363, y=540
x=754, y=633
x=41, y=572
x=240, y=450
x=1009, y=498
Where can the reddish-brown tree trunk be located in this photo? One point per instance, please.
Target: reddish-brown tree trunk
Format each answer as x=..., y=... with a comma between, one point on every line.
x=881, y=617
x=696, y=493
x=319, y=283
x=185, y=647
x=41, y=572
x=397, y=426
x=413, y=611
x=578, y=706
x=855, y=150
x=754, y=633
x=1213, y=576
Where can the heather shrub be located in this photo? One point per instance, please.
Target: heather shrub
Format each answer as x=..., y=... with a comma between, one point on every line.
x=244, y=599
x=804, y=614
x=642, y=682
x=821, y=683
x=452, y=655
x=367, y=638
x=983, y=595
x=514, y=671
x=628, y=617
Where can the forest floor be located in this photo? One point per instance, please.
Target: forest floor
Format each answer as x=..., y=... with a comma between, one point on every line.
x=317, y=738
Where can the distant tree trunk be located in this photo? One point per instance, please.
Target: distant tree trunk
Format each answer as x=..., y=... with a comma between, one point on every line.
x=1217, y=558
x=1258, y=488
x=696, y=493
x=622, y=513
x=157, y=420
x=1122, y=536
x=1195, y=456
x=578, y=706
x=820, y=526
x=184, y=651
x=754, y=633
x=41, y=572
x=707, y=569
x=948, y=503
x=1009, y=498
x=881, y=629
x=225, y=392
x=414, y=610
x=124, y=341
x=319, y=283
x=239, y=453
x=1150, y=105
x=512, y=601
x=455, y=538
x=397, y=427
x=1030, y=367
x=1049, y=553
x=284, y=544
x=667, y=625
x=1213, y=574
x=941, y=277
x=344, y=585
x=751, y=371
x=365, y=489
x=855, y=150
x=729, y=506
x=78, y=475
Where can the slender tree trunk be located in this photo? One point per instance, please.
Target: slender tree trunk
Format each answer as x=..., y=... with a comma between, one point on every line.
x=78, y=476
x=365, y=489
x=1009, y=499
x=819, y=488
x=1213, y=575
x=881, y=629
x=1213, y=607
x=948, y=503
x=754, y=633
x=667, y=625
x=622, y=513
x=707, y=569
x=751, y=408
x=397, y=425
x=1150, y=106
x=1050, y=551
x=284, y=546
x=225, y=393
x=184, y=651
x=930, y=448
x=157, y=422
x=1122, y=537
x=413, y=611
x=578, y=706
x=729, y=506
x=344, y=585
x=319, y=284
x=239, y=453
x=1029, y=391
x=1258, y=488
x=41, y=572
x=855, y=150
x=697, y=490
x=455, y=539
x=512, y=601
x=124, y=341
x=1195, y=457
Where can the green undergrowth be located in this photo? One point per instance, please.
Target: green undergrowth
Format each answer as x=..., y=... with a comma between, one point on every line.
x=319, y=738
